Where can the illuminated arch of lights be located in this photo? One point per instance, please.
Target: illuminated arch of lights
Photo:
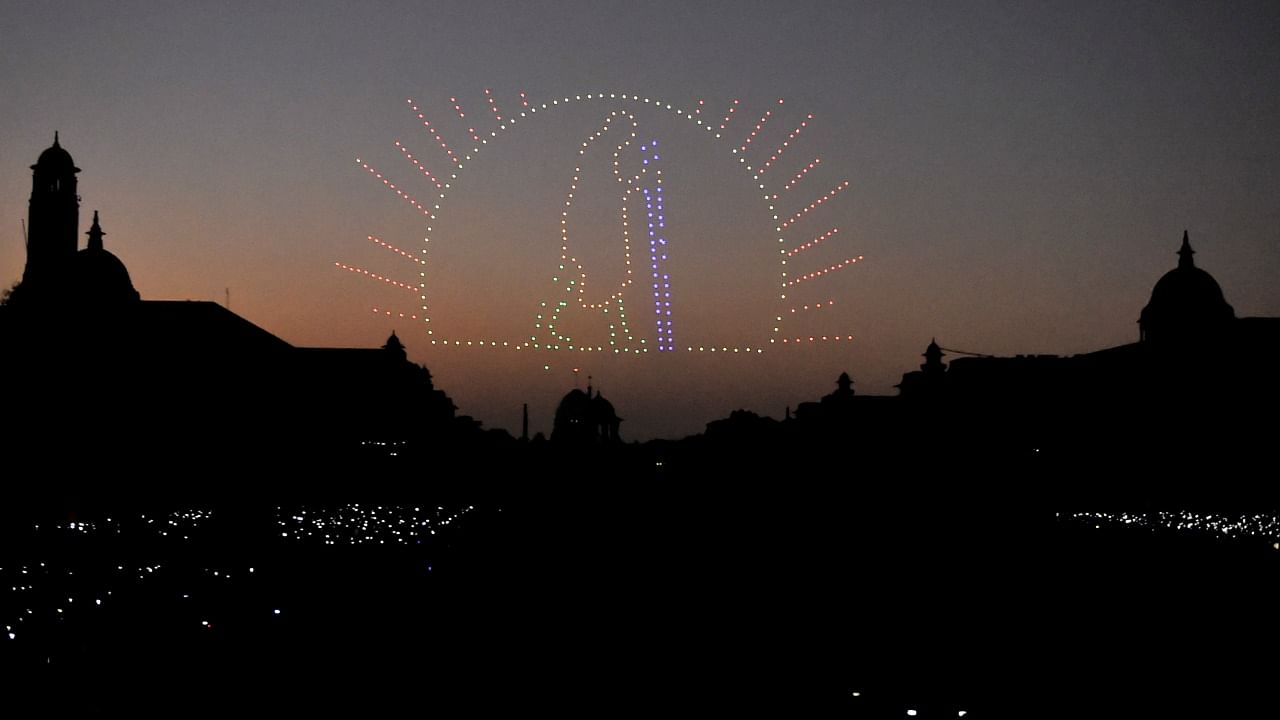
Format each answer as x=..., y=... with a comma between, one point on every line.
x=642, y=186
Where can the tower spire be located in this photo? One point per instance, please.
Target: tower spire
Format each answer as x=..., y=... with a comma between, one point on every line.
x=1185, y=252
x=95, y=233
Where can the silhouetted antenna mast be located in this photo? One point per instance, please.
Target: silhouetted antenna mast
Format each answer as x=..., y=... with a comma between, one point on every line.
x=26, y=243
x=228, y=298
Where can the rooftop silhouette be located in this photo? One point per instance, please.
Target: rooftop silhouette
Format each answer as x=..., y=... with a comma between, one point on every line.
x=152, y=379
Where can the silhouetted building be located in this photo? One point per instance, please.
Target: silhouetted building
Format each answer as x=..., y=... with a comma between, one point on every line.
x=1187, y=308
x=177, y=377
x=584, y=418
x=926, y=381
x=1194, y=389
x=834, y=407
x=845, y=411
x=1187, y=402
x=1191, y=348
x=58, y=275
x=743, y=426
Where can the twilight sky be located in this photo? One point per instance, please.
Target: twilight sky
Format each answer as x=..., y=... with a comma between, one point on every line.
x=1019, y=174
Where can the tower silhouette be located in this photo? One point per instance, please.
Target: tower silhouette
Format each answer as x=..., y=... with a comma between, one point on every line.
x=57, y=272
x=54, y=222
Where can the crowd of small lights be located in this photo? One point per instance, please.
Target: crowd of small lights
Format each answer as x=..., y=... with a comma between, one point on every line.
x=40, y=593
x=45, y=594
x=611, y=307
x=180, y=522
x=357, y=524
x=392, y=448
x=1260, y=525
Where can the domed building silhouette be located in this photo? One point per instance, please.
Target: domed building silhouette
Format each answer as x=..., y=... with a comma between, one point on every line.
x=98, y=275
x=178, y=379
x=58, y=274
x=1186, y=305
x=1194, y=385
x=586, y=419
x=1187, y=332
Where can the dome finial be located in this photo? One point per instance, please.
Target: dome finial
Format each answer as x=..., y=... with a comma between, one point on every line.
x=55, y=138
x=1185, y=252
x=95, y=233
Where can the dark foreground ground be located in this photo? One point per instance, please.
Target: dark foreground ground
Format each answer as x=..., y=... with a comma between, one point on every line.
x=815, y=595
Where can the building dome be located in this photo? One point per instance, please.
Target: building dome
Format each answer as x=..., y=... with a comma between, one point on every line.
x=56, y=159
x=100, y=276
x=583, y=417
x=97, y=275
x=574, y=406
x=602, y=408
x=1186, y=303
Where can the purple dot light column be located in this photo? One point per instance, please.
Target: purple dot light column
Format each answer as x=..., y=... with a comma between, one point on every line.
x=658, y=251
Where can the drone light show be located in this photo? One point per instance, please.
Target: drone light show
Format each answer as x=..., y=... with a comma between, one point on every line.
x=626, y=262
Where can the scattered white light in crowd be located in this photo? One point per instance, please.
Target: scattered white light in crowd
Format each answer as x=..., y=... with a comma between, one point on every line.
x=66, y=593
x=370, y=524
x=1256, y=525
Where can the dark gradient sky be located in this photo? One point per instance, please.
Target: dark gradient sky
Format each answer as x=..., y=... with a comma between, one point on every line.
x=1020, y=175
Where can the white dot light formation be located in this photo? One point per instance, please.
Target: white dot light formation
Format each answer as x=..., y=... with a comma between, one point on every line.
x=635, y=167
